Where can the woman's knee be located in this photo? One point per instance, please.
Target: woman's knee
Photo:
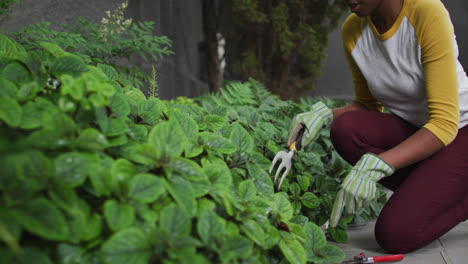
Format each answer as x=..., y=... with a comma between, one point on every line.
x=345, y=136
x=398, y=236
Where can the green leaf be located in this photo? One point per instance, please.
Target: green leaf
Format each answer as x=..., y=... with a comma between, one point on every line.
x=128, y=246
x=145, y=188
x=119, y=106
x=175, y=222
x=189, y=126
x=139, y=133
x=33, y=255
x=214, y=122
x=262, y=181
x=149, y=111
x=293, y=250
x=10, y=48
x=118, y=216
x=92, y=139
x=75, y=87
x=186, y=168
x=216, y=142
x=122, y=170
x=332, y=253
x=168, y=138
x=145, y=154
x=71, y=169
x=17, y=73
x=294, y=189
x=282, y=206
x=254, y=231
x=241, y=140
x=210, y=226
x=28, y=91
x=339, y=235
x=182, y=192
x=69, y=254
x=310, y=200
x=192, y=148
x=101, y=179
x=72, y=65
x=110, y=72
x=42, y=218
x=236, y=247
x=10, y=112
x=65, y=198
x=272, y=236
x=315, y=237
x=53, y=49
x=8, y=90
x=247, y=191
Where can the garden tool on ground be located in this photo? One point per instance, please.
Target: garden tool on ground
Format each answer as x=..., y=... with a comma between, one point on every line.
x=362, y=259
x=286, y=158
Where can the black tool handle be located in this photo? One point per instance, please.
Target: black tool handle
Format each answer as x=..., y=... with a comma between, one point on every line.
x=299, y=138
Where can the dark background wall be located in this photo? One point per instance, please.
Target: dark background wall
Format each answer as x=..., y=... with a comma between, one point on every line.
x=184, y=72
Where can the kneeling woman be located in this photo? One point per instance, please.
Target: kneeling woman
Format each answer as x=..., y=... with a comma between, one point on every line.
x=403, y=56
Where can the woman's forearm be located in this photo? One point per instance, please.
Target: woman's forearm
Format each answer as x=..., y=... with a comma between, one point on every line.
x=417, y=147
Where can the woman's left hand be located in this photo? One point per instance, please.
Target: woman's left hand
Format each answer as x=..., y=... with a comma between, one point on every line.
x=359, y=187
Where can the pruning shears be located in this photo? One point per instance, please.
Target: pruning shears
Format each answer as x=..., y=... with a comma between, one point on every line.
x=286, y=158
x=362, y=259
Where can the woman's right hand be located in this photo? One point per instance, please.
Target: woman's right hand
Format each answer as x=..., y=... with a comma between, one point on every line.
x=313, y=121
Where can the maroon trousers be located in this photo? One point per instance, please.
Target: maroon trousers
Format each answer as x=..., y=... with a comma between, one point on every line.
x=430, y=197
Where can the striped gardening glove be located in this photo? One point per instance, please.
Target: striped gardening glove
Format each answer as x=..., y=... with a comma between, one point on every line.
x=319, y=116
x=359, y=187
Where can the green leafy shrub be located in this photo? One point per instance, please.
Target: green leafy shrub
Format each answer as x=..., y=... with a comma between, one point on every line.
x=108, y=42
x=91, y=171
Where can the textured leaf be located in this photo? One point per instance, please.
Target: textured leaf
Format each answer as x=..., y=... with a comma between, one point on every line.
x=149, y=111
x=310, y=200
x=119, y=106
x=28, y=91
x=293, y=250
x=332, y=253
x=33, y=255
x=92, y=139
x=175, y=222
x=254, y=231
x=189, y=126
x=128, y=246
x=118, y=216
x=168, y=138
x=315, y=237
x=52, y=48
x=236, y=247
x=101, y=179
x=247, y=191
x=10, y=112
x=282, y=206
x=75, y=87
x=242, y=140
x=72, y=65
x=339, y=235
x=65, y=198
x=214, y=122
x=186, y=168
x=209, y=226
x=217, y=142
x=145, y=154
x=122, y=170
x=109, y=71
x=42, y=218
x=71, y=169
x=146, y=188
x=182, y=192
